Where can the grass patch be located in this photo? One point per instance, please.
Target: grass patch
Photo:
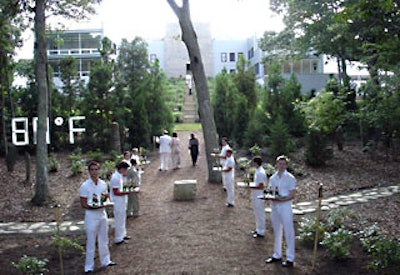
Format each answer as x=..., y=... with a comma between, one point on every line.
x=187, y=126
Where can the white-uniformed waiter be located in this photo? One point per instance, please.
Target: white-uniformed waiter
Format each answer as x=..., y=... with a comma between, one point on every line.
x=165, y=150
x=260, y=181
x=96, y=224
x=281, y=212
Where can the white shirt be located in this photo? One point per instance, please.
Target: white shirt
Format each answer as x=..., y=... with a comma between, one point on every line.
x=116, y=182
x=223, y=153
x=259, y=178
x=89, y=189
x=230, y=162
x=286, y=183
x=165, y=144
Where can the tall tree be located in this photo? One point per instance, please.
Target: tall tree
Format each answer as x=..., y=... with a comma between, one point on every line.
x=189, y=37
x=67, y=8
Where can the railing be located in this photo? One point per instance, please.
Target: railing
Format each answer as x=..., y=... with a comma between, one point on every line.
x=72, y=52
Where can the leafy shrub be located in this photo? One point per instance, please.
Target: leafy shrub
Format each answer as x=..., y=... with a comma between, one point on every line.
x=384, y=253
x=106, y=169
x=95, y=155
x=255, y=150
x=31, y=265
x=317, y=150
x=269, y=169
x=78, y=166
x=307, y=228
x=337, y=243
x=53, y=164
x=336, y=217
x=75, y=155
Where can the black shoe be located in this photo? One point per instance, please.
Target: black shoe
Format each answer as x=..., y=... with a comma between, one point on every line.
x=121, y=242
x=224, y=189
x=272, y=260
x=253, y=232
x=287, y=264
x=111, y=263
x=89, y=271
x=127, y=238
x=256, y=235
x=229, y=205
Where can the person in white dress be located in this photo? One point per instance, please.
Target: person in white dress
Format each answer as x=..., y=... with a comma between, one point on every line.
x=175, y=151
x=229, y=173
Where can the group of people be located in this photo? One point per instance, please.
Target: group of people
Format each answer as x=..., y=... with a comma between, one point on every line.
x=93, y=194
x=170, y=148
x=281, y=206
x=126, y=201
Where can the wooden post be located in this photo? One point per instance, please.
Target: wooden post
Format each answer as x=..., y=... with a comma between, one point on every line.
x=320, y=196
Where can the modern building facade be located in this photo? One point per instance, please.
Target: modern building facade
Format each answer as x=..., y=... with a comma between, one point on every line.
x=83, y=45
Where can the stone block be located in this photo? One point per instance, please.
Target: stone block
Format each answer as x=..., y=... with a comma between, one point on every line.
x=185, y=190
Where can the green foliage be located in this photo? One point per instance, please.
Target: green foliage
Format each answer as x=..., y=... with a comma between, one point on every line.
x=65, y=243
x=95, y=155
x=255, y=150
x=77, y=167
x=269, y=169
x=280, y=139
x=53, y=164
x=384, y=252
x=317, y=151
x=107, y=168
x=307, y=228
x=337, y=217
x=337, y=243
x=324, y=112
x=31, y=265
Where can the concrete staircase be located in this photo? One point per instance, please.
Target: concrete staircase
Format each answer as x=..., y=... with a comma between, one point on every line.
x=189, y=108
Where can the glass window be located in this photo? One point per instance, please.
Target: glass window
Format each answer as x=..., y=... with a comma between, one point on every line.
x=232, y=57
x=223, y=57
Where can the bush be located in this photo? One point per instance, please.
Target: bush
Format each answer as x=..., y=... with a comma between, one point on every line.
x=317, y=151
x=307, y=229
x=53, y=164
x=78, y=166
x=384, y=253
x=31, y=265
x=337, y=243
x=95, y=155
x=255, y=150
x=336, y=218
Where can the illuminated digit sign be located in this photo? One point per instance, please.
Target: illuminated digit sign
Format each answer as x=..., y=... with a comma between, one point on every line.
x=20, y=129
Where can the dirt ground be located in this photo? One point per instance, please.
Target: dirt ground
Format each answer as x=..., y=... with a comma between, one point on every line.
x=201, y=236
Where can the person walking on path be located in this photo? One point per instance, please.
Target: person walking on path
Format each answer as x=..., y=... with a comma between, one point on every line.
x=222, y=157
x=194, y=148
x=228, y=172
x=119, y=197
x=281, y=212
x=165, y=151
x=133, y=180
x=92, y=191
x=260, y=181
x=175, y=151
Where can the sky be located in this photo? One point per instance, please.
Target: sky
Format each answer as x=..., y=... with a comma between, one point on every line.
x=148, y=18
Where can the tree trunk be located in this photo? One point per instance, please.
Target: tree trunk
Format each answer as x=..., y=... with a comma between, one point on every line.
x=41, y=188
x=189, y=37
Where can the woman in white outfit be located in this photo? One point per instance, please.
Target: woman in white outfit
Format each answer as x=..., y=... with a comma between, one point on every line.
x=175, y=151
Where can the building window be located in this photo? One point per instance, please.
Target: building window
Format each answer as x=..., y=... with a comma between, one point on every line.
x=239, y=55
x=223, y=57
x=232, y=71
x=232, y=57
x=257, y=68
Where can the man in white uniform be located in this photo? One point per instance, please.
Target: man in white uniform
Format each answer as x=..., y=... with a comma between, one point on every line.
x=222, y=158
x=119, y=197
x=92, y=191
x=281, y=212
x=260, y=181
x=165, y=150
x=228, y=172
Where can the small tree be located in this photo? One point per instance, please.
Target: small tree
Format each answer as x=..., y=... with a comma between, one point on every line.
x=280, y=139
x=317, y=150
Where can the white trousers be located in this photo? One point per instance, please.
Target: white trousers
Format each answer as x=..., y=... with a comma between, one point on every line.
x=119, y=219
x=164, y=160
x=259, y=212
x=230, y=190
x=176, y=159
x=96, y=229
x=282, y=222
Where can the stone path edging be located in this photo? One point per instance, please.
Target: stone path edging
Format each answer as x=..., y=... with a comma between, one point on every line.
x=301, y=208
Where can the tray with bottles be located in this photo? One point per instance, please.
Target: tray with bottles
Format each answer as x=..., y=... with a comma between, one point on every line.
x=246, y=184
x=101, y=204
x=269, y=194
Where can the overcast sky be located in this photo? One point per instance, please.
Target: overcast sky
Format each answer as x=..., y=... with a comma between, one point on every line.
x=147, y=19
